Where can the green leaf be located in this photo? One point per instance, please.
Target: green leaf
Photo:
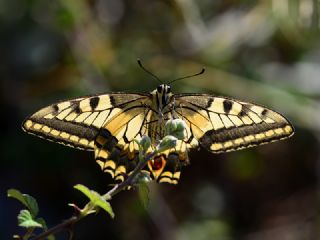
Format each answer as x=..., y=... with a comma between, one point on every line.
x=14, y=193
x=26, y=220
x=105, y=205
x=32, y=204
x=96, y=199
x=86, y=191
x=27, y=200
x=143, y=192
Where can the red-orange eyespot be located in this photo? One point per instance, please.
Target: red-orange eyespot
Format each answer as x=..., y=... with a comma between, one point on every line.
x=156, y=163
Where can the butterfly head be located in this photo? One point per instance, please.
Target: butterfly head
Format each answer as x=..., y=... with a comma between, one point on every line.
x=164, y=89
x=162, y=95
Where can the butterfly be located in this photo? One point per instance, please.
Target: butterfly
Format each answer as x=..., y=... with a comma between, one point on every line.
x=110, y=124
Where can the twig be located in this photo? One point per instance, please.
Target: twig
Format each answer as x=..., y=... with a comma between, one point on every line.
x=119, y=187
x=67, y=223
x=116, y=189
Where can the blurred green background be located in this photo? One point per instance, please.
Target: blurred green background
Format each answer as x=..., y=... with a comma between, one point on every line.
x=264, y=51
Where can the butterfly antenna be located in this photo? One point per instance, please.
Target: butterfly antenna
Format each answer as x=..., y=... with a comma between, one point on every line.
x=199, y=73
x=147, y=71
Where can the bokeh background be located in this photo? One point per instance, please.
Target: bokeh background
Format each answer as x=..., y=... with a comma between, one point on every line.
x=264, y=51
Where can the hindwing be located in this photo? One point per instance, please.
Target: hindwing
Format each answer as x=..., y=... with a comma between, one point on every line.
x=222, y=124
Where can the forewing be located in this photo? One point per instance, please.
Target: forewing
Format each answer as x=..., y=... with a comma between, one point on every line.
x=223, y=124
x=77, y=122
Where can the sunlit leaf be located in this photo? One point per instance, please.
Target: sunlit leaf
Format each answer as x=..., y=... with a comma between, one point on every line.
x=26, y=220
x=104, y=205
x=96, y=199
x=86, y=191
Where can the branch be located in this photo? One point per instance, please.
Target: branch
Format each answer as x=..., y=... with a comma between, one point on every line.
x=116, y=189
x=58, y=228
x=119, y=187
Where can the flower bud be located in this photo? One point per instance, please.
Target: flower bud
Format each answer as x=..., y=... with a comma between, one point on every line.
x=166, y=143
x=145, y=143
x=142, y=177
x=176, y=127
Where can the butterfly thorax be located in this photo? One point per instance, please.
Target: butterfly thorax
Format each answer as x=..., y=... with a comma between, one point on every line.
x=162, y=106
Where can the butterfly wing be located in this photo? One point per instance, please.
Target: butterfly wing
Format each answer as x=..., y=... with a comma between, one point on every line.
x=117, y=152
x=109, y=124
x=222, y=124
x=77, y=122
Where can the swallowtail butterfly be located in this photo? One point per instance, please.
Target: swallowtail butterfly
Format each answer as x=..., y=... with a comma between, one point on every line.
x=108, y=124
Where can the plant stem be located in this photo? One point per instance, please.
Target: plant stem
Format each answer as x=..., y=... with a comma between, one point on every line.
x=116, y=189
x=119, y=187
x=28, y=234
x=58, y=228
